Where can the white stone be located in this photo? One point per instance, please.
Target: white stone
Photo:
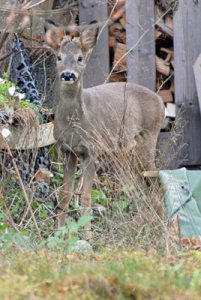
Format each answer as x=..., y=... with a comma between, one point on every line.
x=20, y=96
x=5, y=132
x=82, y=246
x=11, y=90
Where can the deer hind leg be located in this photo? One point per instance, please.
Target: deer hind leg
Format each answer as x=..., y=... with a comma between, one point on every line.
x=70, y=165
x=146, y=150
x=88, y=177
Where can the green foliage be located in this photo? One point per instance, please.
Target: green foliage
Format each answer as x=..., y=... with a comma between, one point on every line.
x=98, y=197
x=5, y=98
x=57, y=180
x=9, y=238
x=109, y=275
x=26, y=104
x=14, y=199
x=66, y=237
x=122, y=204
x=4, y=86
x=13, y=204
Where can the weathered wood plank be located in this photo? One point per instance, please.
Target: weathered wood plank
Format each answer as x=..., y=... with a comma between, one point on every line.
x=141, y=42
x=47, y=5
x=98, y=67
x=187, y=45
x=197, y=73
x=20, y=138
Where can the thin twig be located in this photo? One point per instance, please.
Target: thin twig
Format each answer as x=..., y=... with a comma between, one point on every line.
x=164, y=82
x=38, y=3
x=107, y=22
x=5, y=56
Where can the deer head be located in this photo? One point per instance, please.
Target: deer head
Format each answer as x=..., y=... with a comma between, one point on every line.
x=72, y=51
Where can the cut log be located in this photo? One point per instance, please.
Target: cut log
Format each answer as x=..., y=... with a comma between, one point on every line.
x=118, y=32
x=166, y=95
x=120, y=51
x=122, y=20
x=117, y=14
x=158, y=33
x=169, y=22
x=112, y=42
x=118, y=77
x=20, y=138
x=161, y=23
x=162, y=67
x=169, y=52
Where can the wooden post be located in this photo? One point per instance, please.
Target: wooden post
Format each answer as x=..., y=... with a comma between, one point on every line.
x=197, y=74
x=98, y=66
x=141, y=42
x=187, y=46
x=48, y=5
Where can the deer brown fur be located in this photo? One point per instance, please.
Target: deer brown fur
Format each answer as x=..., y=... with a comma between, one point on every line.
x=117, y=114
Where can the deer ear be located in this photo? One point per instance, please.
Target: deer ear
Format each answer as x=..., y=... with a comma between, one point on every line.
x=53, y=34
x=89, y=36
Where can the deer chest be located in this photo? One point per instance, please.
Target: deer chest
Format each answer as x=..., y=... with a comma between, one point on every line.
x=71, y=137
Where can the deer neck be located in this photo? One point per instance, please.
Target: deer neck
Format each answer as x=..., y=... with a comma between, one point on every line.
x=70, y=101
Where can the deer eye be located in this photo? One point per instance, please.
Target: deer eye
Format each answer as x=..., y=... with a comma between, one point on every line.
x=80, y=59
x=59, y=58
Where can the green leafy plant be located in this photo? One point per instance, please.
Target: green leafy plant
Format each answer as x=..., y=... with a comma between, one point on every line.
x=67, y=236
x=98, y=197
x=6, y=99
x=9, y=238
x=27, y=104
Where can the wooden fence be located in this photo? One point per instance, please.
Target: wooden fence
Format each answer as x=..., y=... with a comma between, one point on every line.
x=141, y=68
x=140, y=42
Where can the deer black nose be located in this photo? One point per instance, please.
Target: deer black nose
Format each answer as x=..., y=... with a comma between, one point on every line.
x=68, y=76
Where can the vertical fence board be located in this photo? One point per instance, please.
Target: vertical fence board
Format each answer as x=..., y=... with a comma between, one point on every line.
x=141, y=39
x=47, y=5
x=187, y=46
x=98, y=66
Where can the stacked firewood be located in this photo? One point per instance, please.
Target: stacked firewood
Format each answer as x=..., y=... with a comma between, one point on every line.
x=117, y=40
x=164, y=56
x=164, y=49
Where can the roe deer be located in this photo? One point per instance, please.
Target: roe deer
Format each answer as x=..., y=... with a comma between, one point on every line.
x=121, y=114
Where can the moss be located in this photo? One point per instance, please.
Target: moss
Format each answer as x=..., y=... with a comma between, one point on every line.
x=110, y=275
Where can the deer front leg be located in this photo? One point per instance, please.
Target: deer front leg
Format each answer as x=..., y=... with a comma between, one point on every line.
x=70, y=164
x=88, y=177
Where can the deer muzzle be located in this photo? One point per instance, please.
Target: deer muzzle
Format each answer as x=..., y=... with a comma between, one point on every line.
x=69, y=77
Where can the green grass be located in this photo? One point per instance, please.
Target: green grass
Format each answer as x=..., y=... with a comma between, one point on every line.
x=110, y=275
